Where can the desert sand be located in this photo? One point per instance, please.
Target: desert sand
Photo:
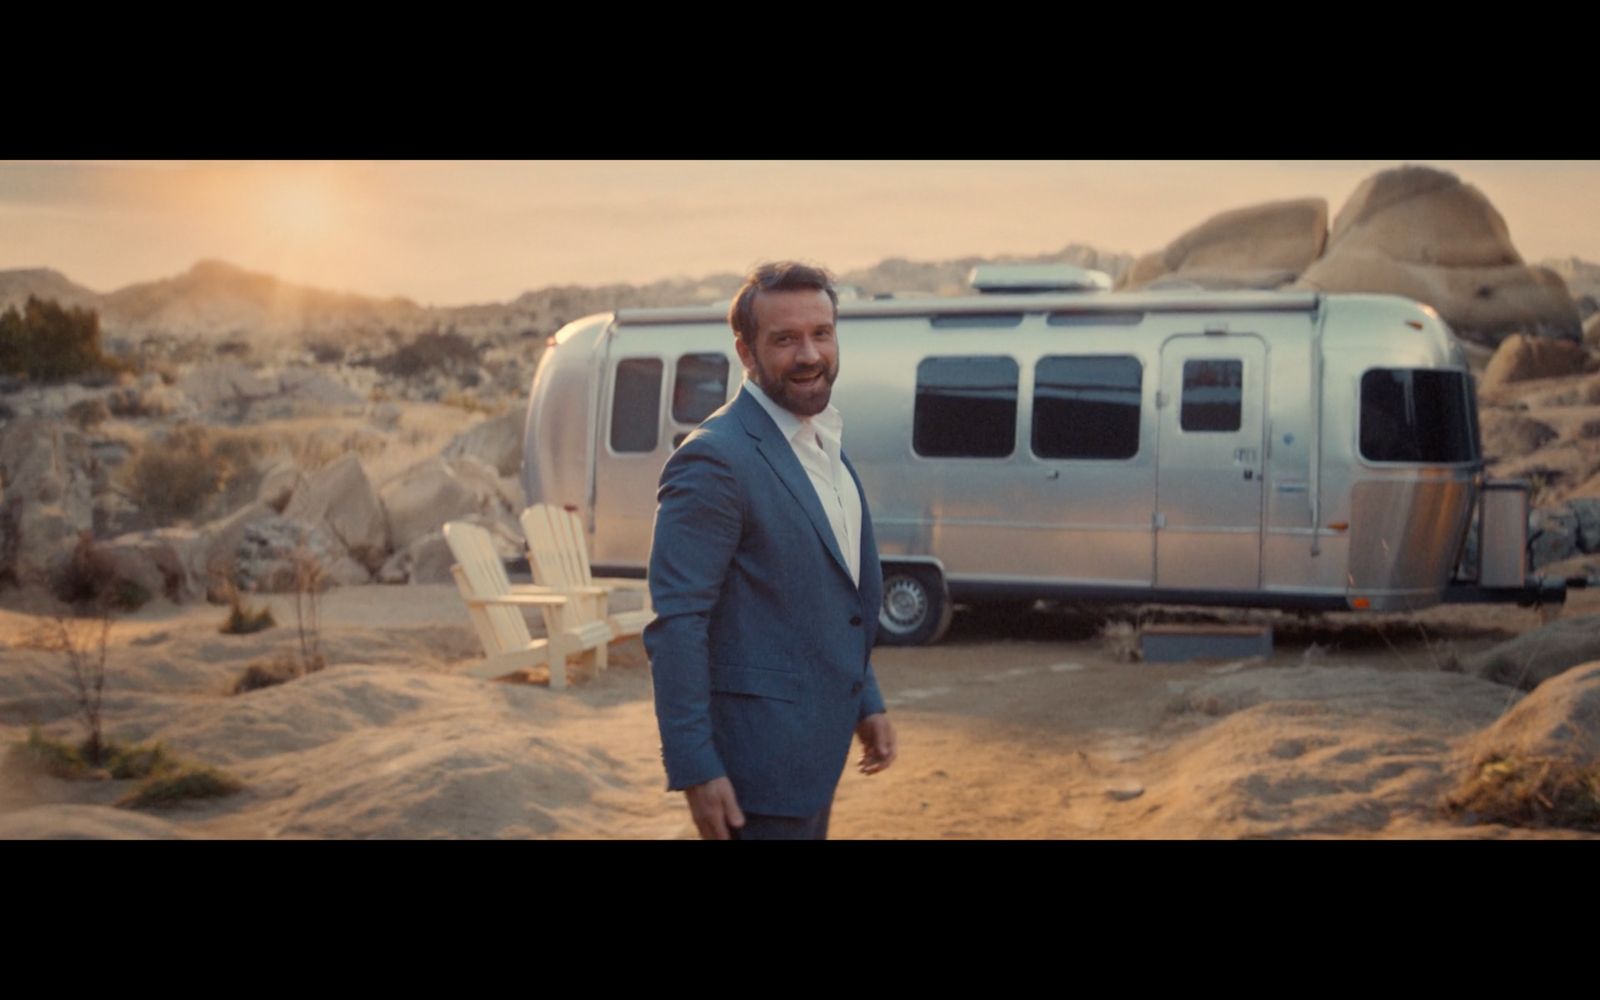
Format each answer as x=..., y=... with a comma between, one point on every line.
x=1016, y=726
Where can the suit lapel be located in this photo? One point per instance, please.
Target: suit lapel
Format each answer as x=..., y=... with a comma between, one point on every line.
x=780, y=455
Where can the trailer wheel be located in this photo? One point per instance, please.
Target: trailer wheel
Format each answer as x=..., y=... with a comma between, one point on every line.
x=916, y=606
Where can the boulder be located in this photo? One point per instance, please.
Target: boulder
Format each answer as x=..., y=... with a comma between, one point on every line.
x=1521, y=357
x=491, y=488
x=219, y=541
x=167, y=561
x=1536, y=764
x=273, y=552
x=1508, y=435
x=1422, y=233
x=496, y=441
x=425, y=560
x=1552, y=535
x=342, y=498
x=278, y=485
x=1262, y=246
x=310, y=385
x=1586, y=510
x=423, y=497
x=1591, y=332
x=226, y=386
x=48, y=471
x=1536, y=656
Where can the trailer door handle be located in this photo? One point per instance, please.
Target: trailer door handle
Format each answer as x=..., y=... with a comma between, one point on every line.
x=1053, y=474
x=1249, y=473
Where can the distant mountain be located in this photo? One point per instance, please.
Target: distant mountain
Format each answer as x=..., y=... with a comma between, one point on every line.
x=44, y=283
x=215, y=300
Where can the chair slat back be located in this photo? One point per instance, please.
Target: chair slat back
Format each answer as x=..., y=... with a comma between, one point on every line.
x=484, y=575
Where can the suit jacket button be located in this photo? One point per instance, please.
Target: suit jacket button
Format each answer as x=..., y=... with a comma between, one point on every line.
x=855, y=619
x=855, y=688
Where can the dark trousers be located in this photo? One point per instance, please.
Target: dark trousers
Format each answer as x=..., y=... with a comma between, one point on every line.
x=785, y=827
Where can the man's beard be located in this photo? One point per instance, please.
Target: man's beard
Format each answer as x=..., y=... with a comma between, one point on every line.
x=795, y=399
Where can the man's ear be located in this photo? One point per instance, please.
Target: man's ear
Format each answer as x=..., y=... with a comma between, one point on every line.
x=746, y=357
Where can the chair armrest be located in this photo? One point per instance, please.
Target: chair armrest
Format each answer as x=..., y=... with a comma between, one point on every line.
x=622, y=583
x=529, y=600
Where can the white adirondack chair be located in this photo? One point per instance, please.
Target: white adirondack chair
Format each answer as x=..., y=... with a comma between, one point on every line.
x=558, y=553
x=496, y=611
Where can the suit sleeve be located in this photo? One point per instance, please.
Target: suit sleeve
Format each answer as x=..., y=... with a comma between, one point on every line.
x=699, y=519
x=871, y=698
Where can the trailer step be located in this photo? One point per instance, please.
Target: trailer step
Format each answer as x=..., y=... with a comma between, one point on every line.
x=1175, y=643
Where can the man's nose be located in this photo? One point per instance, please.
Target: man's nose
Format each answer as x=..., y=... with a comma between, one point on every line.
x=808, y=353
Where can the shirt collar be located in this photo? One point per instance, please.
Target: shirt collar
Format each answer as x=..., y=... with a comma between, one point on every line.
x=829, y=424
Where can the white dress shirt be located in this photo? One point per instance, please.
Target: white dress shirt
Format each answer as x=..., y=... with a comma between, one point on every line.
x=817, y=443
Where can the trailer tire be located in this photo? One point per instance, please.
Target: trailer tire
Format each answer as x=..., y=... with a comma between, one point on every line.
x=916, y=606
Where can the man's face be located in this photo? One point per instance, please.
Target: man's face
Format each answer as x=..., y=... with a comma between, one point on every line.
x=796, y=353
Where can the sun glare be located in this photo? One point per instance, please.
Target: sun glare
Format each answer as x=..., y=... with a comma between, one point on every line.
x=299, y=205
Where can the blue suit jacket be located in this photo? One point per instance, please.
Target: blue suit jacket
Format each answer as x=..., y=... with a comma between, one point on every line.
x=760, y=647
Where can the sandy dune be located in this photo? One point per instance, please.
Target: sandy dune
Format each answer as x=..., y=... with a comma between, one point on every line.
x=1030, y=727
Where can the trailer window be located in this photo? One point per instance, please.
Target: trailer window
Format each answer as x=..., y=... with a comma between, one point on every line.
x=1213, y=395
x=636, y=405
x=1417, y=415
x=701, y=386
x=1087, y=407
x=966, y=407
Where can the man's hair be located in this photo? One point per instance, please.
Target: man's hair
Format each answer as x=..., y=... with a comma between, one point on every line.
x=777, y=276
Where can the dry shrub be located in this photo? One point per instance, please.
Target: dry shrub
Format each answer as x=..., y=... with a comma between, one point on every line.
x=42, y=755
x=1530, y=791
x=171, y=478
x=89, y=579
x=429, y=352
x=267, y=673
x=87, y=413
x=245, y=620
x=180, y=783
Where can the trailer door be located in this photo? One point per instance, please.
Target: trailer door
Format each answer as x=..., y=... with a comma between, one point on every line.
x=659, y=384
x=1211, y=456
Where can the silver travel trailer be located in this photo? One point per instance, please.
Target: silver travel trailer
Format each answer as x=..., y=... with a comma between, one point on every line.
x=1271, y=449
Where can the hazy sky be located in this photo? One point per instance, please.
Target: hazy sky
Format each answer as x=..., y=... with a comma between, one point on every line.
x=452, y=233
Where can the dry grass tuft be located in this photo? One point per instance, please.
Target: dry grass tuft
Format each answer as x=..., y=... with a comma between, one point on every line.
x=1529, y=791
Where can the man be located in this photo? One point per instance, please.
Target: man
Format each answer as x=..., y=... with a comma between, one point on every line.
x=766, y=584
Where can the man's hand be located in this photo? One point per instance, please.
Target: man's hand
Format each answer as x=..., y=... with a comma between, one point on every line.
x=877, y=743
x=715, y=808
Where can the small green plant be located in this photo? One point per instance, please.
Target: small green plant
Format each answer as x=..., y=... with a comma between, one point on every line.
x=180, y=782
x=164, y=777
x=43, y=755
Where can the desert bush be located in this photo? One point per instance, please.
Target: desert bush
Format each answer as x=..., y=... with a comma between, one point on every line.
x=431, y=351
x=87, y=413
x=325, y=353
x=267, y=673
x=47, y=343
x=179, y=783
x=131, y=401
x=89, y=579
x=1530, y=791
x=244, y=620
x=172, y=478
x=139, y=760
x=42, y=755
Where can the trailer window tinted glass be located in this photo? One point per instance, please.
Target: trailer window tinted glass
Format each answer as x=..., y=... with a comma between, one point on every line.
x=1410, y=415
x=636, y=405
x=1213, y=395
x=966, y=407
x=1086, y=407
x=701, y=387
